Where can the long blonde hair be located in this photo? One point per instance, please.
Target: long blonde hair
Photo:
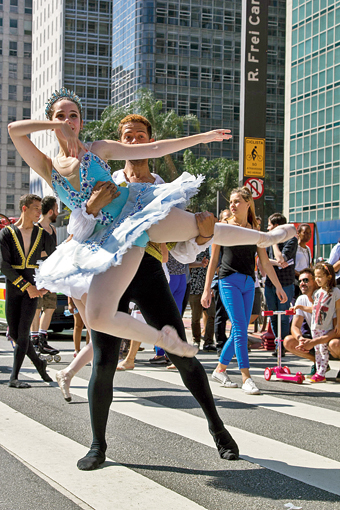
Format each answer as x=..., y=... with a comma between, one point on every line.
x=247, y=197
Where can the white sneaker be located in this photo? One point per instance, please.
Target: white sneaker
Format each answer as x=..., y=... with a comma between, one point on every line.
x=250, y=387
x=223, y=378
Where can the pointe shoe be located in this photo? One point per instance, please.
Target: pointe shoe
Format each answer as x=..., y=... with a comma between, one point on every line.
x=171, y=342
x=64, y=381
x=279, y=234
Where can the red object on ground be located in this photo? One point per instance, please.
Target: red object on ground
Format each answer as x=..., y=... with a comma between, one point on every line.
x=268, y=338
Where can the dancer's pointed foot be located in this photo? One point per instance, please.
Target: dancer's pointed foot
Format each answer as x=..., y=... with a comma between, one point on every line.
x=64, y=381
x=279, y=234
x=42, y=371
x=226, y=446
x=125, y=365
x=92, y=460
x=171, y=342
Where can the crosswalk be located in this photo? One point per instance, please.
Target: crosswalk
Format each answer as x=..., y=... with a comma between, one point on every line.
x=288, y=437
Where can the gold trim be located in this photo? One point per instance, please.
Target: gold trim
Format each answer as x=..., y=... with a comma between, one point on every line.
x=17, y=280
x=28, y=284
x=18, y=246
x=37, y=241
x=25, y=262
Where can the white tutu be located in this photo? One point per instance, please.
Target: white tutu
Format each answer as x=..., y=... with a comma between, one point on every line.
x=71, y=267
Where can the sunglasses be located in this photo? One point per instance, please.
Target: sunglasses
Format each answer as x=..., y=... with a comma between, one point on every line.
x=303, y=280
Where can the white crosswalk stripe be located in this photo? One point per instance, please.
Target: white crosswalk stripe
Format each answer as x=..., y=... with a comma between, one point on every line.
x=115, y=485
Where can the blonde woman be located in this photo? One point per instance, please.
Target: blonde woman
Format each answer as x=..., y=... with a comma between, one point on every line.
x=236, y=287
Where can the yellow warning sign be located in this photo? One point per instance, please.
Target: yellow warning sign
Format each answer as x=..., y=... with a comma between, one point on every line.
x=254, y=156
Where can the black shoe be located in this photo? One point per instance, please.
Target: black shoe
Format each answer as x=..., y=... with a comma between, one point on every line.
x=226, y=446
x=159, y=360
x=210, y=348
x=42, y=371
x=92, y=460
x=337, y=378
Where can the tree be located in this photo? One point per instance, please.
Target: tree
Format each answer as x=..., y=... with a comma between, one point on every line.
x=164, y=125
x=220, y=175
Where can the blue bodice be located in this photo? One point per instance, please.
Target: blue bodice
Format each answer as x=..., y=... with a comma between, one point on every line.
x=91, y=170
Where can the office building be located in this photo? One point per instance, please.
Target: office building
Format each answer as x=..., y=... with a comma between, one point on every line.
x=72, y=48
x=312, y=111
x=15, y=97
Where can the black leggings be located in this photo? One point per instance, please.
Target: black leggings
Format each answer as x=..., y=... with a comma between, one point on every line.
x=20, y=310
x=151, y=292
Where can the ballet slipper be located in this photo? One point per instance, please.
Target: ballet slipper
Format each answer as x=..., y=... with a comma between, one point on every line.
x=279, y=234
x=92, y=460
x=226, y=445
x=64, y=381
x=123, y=365
x=14, y=383
x=171, y=342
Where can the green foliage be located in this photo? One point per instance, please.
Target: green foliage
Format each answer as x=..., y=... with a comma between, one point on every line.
x=220, y=175
x=164, y=125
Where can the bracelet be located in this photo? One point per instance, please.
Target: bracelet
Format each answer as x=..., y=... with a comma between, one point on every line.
x=206, y=237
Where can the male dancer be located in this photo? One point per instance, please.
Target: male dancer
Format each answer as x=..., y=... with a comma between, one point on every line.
x=21, y=245
x=48, y=302
x=150, y=291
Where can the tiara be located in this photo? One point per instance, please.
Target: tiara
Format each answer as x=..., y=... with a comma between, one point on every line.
x=58, y=94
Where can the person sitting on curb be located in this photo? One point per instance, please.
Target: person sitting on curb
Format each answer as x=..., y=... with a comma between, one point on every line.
x=300, y=329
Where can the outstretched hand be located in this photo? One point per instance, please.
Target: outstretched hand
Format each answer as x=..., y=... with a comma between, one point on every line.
x=74, y=145
x=218, y=135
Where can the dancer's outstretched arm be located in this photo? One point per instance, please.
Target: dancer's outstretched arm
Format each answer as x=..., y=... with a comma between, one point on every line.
x=105, y=149
x=109, y=149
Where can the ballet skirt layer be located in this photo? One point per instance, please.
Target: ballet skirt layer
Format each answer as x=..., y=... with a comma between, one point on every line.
x=124, y=223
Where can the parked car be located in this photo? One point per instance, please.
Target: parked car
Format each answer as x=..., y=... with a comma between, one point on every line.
x=59, y=322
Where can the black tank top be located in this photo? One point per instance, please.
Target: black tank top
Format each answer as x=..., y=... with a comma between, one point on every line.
x=238, y=259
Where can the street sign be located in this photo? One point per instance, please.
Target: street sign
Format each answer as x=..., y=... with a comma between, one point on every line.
x=254, y=156
x=256, y=186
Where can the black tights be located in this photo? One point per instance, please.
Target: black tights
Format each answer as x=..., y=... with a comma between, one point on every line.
x=20, y=310
x=150, y=291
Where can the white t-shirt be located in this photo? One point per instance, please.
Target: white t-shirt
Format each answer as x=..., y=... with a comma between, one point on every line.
x=303, y=258
x=303, y=300
x=324, y=309
x=335, y=256
x=119, y=177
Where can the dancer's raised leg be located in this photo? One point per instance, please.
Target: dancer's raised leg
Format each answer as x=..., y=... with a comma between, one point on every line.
x=230, y=235
x=102, y=303
x=181, y=225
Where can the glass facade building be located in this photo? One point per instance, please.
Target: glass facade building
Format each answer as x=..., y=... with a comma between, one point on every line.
x=188, y=53
x=71, y=47
x=312, y=138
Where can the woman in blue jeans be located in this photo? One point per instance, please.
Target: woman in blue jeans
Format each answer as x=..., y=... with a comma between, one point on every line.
x=237, y=287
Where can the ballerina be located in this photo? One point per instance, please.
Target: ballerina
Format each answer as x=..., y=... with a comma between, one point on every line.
x=109, y=259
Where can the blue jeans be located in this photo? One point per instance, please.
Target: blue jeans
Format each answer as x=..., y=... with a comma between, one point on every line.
x=273, y=303
x=237, y=294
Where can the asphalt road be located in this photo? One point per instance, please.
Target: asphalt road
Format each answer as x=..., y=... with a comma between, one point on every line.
x=160, y=454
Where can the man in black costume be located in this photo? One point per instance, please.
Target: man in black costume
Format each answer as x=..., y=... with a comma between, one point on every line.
x=21, y=245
